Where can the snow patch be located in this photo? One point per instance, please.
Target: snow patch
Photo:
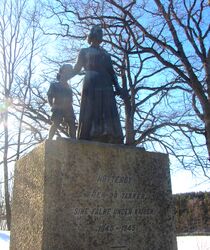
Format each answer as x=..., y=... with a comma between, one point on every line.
x=184, y=242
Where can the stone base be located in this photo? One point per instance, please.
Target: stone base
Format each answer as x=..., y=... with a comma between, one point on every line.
x=78, y=195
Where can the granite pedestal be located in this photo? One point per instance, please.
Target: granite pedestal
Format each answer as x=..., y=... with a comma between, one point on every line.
x=78, y=195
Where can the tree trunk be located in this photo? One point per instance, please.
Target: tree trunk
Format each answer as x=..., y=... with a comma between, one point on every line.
x=207, y=109
x=207, y=130
x=129, y=128
x=6, y=178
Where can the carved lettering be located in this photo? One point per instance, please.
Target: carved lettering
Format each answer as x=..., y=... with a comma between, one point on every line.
x=131, y=195
x=117, y=212
x=101, y=214
x=122, y=211
x=143, y=211
x=97, y=195
x=81, y=211
x=128, y=228
x=101, y=211
x=114, y=179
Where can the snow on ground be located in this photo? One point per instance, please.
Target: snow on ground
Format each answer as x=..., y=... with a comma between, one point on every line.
x=193, y=242
x=4, y=240
x=184, y=242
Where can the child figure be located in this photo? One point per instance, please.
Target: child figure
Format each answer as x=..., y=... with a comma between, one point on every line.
x=60, y=99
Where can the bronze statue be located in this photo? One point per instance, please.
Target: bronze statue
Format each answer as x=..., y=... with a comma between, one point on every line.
x=99, y=118
x=60, y=99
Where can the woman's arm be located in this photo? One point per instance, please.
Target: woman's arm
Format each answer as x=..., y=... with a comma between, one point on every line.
x=113, y=76
x=79, y=64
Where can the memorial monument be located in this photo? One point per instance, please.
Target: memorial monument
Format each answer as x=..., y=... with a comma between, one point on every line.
x=84, y=195
x=93, y=193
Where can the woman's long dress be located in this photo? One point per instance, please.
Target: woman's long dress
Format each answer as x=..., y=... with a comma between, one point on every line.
x=99, y=118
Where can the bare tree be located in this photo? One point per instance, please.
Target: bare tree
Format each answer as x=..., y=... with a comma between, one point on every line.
x=160, y=52
x=20, y=43
x=179, y=39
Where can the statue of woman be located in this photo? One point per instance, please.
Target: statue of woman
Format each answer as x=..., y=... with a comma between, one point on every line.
x=99, y=118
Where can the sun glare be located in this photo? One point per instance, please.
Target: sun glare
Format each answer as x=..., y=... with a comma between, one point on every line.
x=8, y=105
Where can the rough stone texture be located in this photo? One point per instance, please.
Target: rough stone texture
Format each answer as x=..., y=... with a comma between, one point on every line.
x=77, y=195
x=28, y=202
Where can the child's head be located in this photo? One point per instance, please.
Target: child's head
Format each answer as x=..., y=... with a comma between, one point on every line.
x=65, y=72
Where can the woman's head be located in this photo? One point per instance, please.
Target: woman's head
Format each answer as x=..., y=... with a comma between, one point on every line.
x=95, y=35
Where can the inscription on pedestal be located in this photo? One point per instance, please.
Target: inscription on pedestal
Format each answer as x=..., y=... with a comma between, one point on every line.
x=113, y=205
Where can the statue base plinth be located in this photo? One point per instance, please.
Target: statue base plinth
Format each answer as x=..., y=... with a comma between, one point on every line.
x=83, y=195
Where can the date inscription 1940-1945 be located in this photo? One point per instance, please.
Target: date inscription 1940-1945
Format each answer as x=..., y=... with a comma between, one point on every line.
x=127, y=228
